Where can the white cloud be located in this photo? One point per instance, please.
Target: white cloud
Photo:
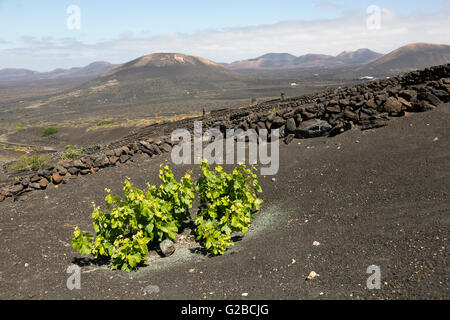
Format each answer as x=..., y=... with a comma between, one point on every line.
x=225, y=45
x=327, y=5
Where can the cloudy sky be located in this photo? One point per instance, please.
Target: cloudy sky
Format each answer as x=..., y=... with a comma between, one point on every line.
x=47, y=34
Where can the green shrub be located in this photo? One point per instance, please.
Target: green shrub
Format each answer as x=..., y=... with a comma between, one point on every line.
x=104, y=123
x=28, y=163
x=126, y=226
x=49, y=131
x=72, y=152
x=228, y=202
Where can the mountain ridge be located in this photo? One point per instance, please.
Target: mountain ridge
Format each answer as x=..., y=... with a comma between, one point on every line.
x=310, y=60
x=406, y=58
x=410, y=57
x=148, y=78
x=160, y=61
x=91, y=70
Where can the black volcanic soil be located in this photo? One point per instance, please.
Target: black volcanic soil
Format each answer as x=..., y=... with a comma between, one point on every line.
x=75, y=136
x=378, y=197
x=68, y=135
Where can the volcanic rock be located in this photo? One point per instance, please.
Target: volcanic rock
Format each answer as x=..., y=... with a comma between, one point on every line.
x=43, y=183
x=167, y=247
x=290, y=125
x=392, y=105
x=312, y=128
x=57, y=178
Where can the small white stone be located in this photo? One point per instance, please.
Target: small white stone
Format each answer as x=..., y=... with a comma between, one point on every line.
x=313, y=275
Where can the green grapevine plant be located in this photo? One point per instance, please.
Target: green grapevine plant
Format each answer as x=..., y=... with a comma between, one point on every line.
x=127, y=225
x=125, y=228
x=228, y=202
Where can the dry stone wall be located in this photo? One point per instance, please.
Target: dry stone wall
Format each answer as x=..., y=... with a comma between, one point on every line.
x=366, y=106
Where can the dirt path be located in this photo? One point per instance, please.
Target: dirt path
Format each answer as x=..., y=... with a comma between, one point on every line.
x=369, y=198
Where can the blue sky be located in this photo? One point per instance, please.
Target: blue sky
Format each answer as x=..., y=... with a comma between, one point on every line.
x=33, y=34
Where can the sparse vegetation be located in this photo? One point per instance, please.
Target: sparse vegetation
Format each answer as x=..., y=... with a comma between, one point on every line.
x=17, y=148
x=72, y=152
x=49, y=131
x=18, y=125
x=28, y=163
x=23, y=149
x=105, y=123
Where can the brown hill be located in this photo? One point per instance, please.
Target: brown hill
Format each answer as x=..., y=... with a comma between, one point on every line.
x=16, y=74
x=90, y=71
x=410, y=57
x=315, y=61
x=155, y=76
x=168, y=65
x=270, y=60
x=307, y=61
x=358, y=57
